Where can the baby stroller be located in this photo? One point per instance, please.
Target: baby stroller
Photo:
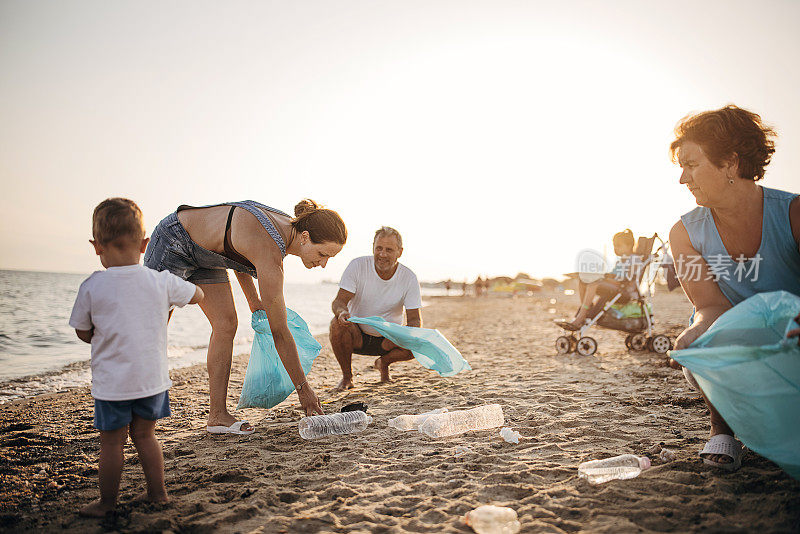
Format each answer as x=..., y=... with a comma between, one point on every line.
x=636, y=294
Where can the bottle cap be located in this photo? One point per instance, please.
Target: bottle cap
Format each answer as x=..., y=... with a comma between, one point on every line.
x=644, y=462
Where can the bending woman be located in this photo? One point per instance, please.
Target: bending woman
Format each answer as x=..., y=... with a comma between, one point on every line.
x=199, y=244
x=742, y=239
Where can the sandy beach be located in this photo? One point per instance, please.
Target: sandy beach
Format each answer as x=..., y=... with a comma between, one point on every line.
x=568, y=409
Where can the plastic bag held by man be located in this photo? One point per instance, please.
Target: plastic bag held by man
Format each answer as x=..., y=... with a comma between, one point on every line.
x=430, y=348
x=266, y=382
x=750, y=371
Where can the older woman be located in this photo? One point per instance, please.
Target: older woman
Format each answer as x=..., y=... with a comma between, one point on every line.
x=742, y=239
x=199, y=244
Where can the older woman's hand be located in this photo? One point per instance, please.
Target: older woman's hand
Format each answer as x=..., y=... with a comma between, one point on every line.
x=796, y=331
x=685, y=339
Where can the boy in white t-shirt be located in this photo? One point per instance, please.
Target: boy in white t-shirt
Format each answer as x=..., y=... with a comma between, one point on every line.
x=123, y=312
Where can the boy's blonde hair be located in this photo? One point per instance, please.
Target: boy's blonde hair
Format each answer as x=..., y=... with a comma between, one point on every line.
x=117, y=219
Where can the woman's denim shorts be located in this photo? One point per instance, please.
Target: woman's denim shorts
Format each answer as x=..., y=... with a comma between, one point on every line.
x=171, y=249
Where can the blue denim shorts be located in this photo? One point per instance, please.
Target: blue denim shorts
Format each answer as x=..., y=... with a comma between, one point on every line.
x=171, y=249
x=111, y=415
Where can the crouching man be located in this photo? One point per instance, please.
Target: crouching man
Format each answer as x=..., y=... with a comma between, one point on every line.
x=376, y=285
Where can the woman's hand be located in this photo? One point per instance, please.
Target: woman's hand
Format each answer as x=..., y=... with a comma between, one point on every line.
x=686, y=338
x=309, y=400
x=795, y=332
x=255, y=306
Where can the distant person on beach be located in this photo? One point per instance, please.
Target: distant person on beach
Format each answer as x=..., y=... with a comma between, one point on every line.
x=123, y=312
x=478, y=285
x=376, y=285
x=609, y=285
x=741, y=240
x=199, y=244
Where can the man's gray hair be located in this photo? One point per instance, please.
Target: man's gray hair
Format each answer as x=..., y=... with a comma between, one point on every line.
x=388, y=231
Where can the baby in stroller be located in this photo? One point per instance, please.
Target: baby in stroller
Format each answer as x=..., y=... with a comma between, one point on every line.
x=595, y=294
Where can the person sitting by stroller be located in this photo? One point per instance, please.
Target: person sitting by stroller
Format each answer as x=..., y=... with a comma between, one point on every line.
x=595, y=294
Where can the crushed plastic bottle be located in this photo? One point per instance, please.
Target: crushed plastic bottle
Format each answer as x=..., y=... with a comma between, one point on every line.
x=461, y=450
x=490, y=519
x=666, y=455
x=620, y=467
x=511, y=436
x=319, y=426
x=412, y=422
x=460, y=421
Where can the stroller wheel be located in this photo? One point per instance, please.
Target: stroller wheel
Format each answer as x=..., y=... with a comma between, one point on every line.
x=586, y=346
x=638, y=342
x=628, y=341
x=660, y=344
x=563, y=345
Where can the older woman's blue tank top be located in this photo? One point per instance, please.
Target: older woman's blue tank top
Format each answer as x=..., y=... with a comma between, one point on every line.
x=776, y=265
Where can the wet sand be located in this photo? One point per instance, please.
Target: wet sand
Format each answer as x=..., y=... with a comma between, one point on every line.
x=568, y=409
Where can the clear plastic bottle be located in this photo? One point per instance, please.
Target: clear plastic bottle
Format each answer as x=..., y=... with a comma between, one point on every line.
x=490, y=519
x=412, y=422
x=319, y=426
x=620, y=467
x=460, y=421
x=511, y=436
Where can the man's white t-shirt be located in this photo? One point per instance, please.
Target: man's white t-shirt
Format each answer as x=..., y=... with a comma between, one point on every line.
x=374, y=296
x=128, y=307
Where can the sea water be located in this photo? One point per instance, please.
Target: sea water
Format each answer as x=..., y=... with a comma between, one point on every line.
x=39, y=352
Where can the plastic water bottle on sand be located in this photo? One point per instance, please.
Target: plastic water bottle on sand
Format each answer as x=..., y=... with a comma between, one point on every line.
x=617, y=468
x=412, y=422
x=460, y=421
x=490, y=519
x=319, y=426
x=511, y=436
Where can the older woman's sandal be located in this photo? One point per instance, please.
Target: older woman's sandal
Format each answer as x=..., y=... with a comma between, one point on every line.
x=724, y=445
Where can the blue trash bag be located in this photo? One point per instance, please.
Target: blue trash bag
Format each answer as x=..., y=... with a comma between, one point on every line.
x=750, y=372
x=429, y=347
x=266, y=382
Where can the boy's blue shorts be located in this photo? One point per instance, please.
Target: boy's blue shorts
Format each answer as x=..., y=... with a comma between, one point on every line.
x=111, y=415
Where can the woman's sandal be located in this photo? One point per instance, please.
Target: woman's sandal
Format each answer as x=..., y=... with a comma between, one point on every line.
x=726, y=445
x=235, y=428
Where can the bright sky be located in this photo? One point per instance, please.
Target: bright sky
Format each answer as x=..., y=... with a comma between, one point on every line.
x=497, y=136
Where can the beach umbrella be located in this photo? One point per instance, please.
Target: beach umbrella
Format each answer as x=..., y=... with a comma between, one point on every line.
x=429, y=346
x=750, y=371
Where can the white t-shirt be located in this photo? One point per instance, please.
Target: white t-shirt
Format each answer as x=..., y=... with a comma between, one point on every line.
x=128, y=307
x=376, y=296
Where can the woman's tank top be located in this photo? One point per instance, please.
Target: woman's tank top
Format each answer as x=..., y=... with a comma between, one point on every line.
x=236, y=260
x=776, y=265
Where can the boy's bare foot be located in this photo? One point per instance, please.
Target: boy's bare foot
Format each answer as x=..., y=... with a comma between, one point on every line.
x=345, y=383
x=95, y=509
x=384, y=370
x=145, y=497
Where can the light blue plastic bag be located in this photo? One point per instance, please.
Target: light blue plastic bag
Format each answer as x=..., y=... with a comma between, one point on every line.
x=266, y=382
x=429, y=347
x=750, y=372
